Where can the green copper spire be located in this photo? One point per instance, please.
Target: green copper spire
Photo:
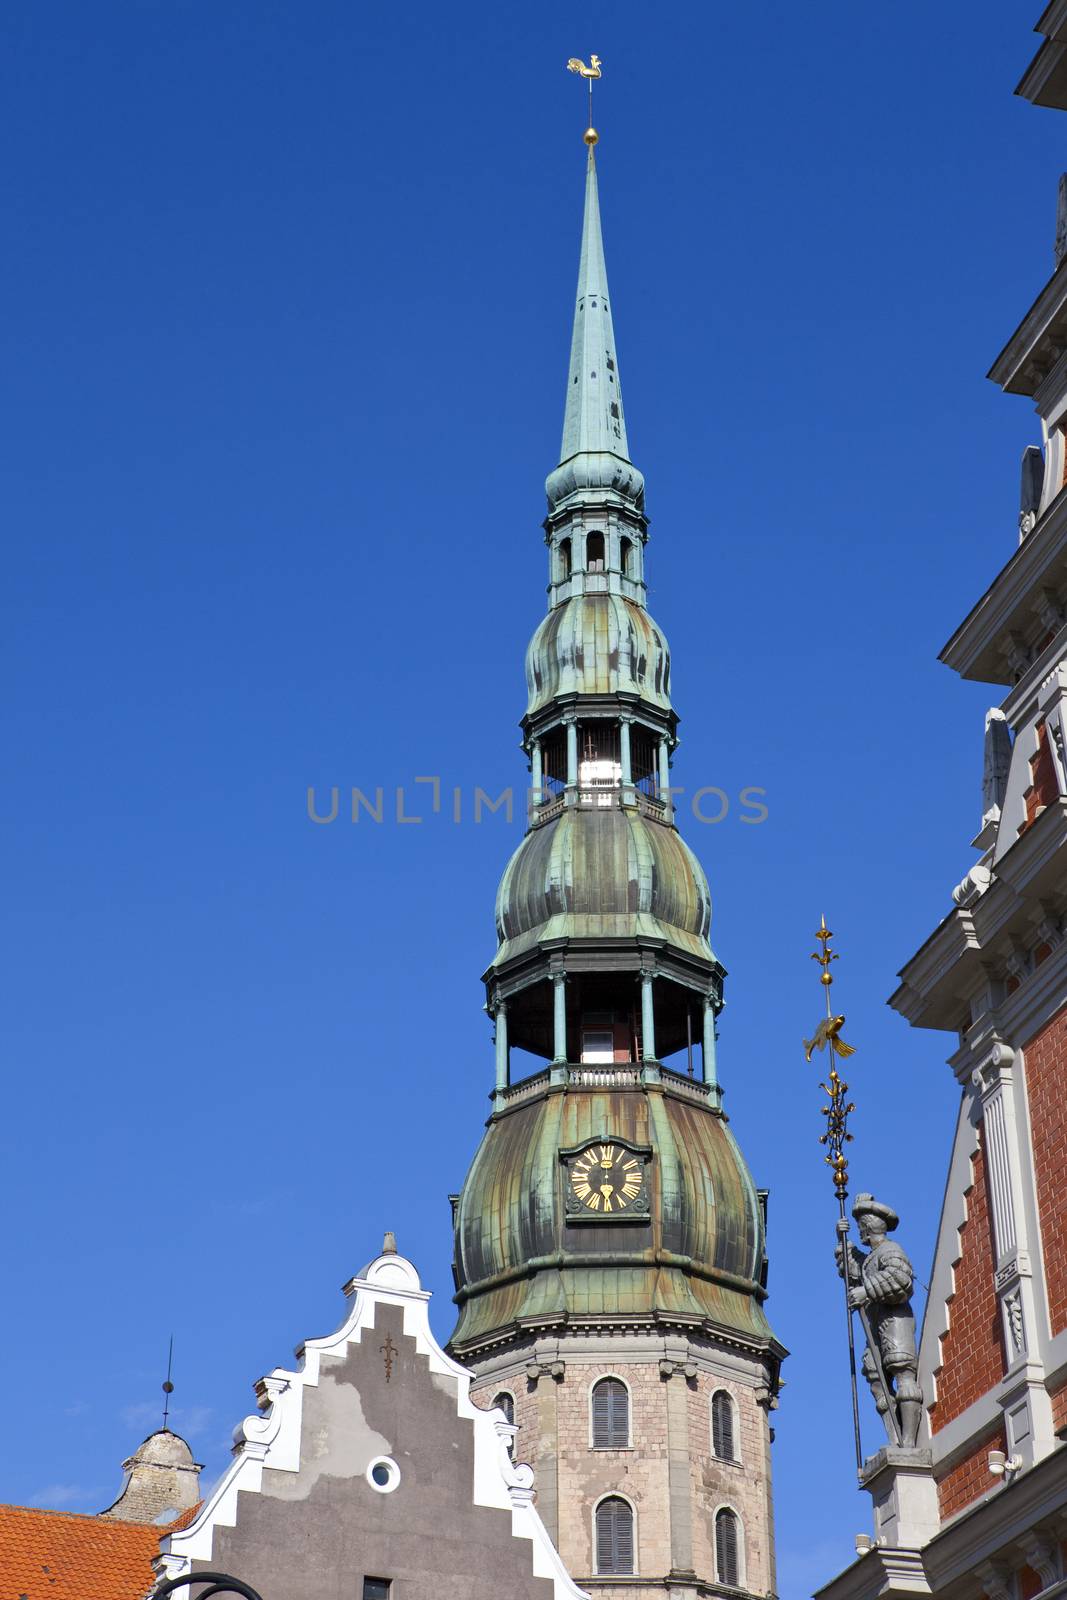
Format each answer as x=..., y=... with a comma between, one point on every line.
x=594, y=454
x=594, y=418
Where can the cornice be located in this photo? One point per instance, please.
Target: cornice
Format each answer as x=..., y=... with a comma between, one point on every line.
x=945, y=971
x=880, y=1574
x=1042, y=71
x=999, y=1521
x=949, y=952
x=1006, y=607
x=1038, y=342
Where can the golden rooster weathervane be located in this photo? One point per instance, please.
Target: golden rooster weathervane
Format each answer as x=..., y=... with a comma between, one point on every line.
x=589, y=73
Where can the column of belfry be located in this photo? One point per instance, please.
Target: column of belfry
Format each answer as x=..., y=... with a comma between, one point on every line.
x=609, y=1239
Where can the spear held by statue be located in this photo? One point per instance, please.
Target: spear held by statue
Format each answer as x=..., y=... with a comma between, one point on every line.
x=877, y=1285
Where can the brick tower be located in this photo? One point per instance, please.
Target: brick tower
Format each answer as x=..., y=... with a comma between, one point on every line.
x=993, y=973
x=609, y=1239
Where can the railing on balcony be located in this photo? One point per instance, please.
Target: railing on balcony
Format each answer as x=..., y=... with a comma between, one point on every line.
x=647, y=805
x=587, y=1075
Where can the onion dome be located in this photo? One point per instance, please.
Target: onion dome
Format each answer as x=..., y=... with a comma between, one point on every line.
x=597, y=872
x=598, y=644
x=520, y=1260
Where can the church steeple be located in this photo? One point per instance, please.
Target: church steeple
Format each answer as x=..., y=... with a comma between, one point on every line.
x=609, y=1239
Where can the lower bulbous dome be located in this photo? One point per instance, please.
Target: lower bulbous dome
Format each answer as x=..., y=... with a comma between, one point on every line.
x=598, y=644
x=603, y=872
x=520, y=1259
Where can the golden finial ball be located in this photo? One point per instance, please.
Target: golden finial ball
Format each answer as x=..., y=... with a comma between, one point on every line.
x=826, y=978
x=591, y=137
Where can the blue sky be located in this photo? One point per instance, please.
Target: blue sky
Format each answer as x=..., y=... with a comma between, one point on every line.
x=287, y=294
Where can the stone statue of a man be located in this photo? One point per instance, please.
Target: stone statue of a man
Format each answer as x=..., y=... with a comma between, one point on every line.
x=880, y=1285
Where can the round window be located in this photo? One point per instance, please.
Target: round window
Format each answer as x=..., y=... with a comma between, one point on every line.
x=383, y=1474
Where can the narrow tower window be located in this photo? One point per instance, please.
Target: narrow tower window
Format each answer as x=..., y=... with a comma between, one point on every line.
x=594, y=552
x=722, y=1426
x=727, y=1548
x=614, y=1538
x=611, y=1415
x=504, y=1402
x=626, y=551
x=564, y=560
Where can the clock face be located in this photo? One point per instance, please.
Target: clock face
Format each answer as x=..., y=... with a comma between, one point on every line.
x=608, y=1179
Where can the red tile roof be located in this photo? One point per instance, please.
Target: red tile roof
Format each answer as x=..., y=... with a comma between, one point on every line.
x=57, y=1555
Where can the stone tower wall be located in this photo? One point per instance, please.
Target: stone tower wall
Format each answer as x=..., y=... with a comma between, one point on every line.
x=669, y=1473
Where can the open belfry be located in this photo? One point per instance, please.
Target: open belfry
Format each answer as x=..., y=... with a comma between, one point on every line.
x=980, y=1509
x=609, y=1239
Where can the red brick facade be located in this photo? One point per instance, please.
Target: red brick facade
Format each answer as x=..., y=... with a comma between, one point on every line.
x=969, y=1478
x=972, y=1350
x=1046, y=1063
x=1059, y=1407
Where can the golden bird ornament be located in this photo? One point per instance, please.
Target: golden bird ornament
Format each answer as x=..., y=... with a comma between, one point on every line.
x=590, y=71
x=828, y=1033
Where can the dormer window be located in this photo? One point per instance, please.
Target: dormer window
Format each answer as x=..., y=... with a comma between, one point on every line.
x=594, y=552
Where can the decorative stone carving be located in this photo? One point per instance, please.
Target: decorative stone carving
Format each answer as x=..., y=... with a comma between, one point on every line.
x=678, y=1369
x=545, y=1369
x=880, y=1289
x=995, y=1580
x=1013, y=649
x=973, y=886
x=1042, y=1555
x=1013, y=1318
x=996, y=762
x=1060, y=247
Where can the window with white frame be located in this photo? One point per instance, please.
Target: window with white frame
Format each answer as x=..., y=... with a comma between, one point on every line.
x=728, y=1548
x=614, y=1538
x=723, y=1430
x=611, y=1415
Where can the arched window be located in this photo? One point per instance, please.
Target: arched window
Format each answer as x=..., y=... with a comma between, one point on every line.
x=722, y=1426
x=594, y=552
x=614, y=1538
x=611, y=1415
x=564, y=560
x=626, y=552
x=505, y=1403
x=728, y=1548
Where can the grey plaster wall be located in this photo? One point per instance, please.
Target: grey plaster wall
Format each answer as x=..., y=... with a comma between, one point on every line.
x=315, y=1534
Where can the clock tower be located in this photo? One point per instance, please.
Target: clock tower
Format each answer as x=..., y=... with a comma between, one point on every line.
x=609, y=1240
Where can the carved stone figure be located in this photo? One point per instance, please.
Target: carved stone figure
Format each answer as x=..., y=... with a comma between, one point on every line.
x=880, y=1289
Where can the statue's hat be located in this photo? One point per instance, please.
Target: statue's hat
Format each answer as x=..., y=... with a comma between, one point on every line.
x=867, y=1206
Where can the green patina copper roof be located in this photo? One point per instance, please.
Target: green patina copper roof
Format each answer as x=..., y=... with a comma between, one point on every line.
x=603, y=872
x=519, y=1259
x=594, y=453
x=598, y=644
